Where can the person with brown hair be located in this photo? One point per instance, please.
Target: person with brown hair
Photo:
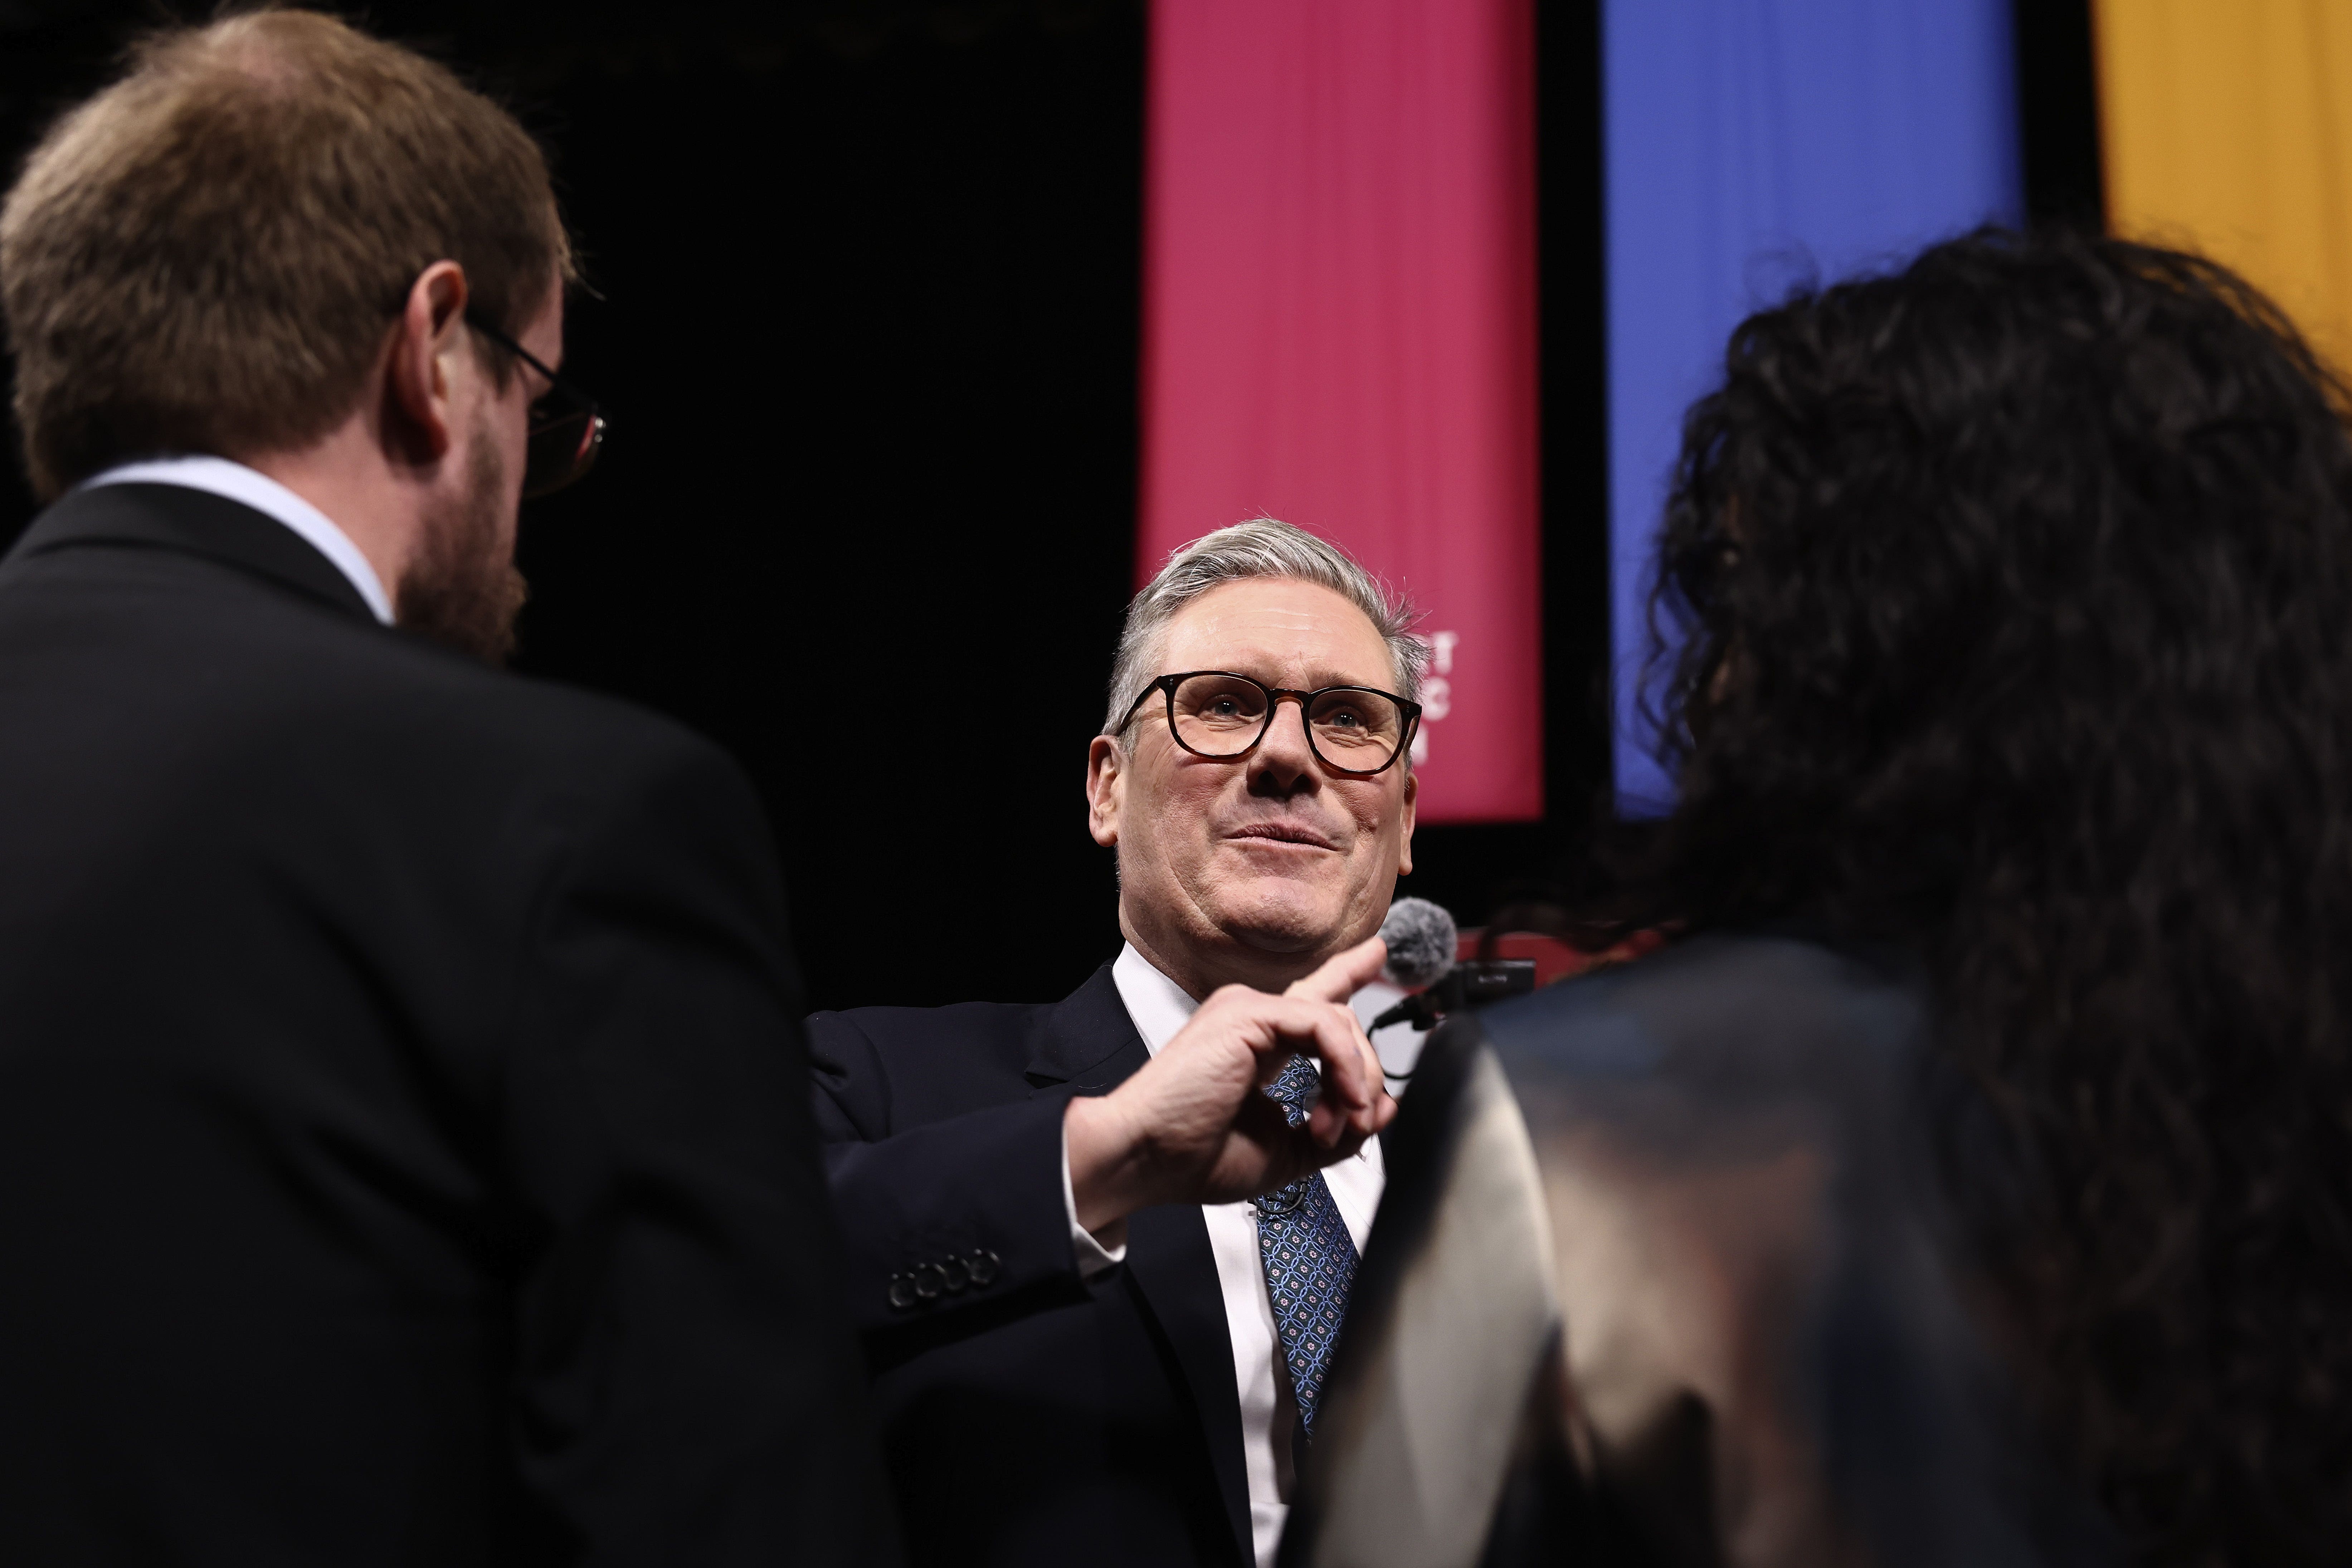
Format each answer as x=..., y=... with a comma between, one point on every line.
x=204, y=260
x=404, y=1150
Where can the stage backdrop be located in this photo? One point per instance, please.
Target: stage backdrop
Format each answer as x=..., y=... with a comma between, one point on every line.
x=2228, y=128
x=1753, y=144
x=1340, y=329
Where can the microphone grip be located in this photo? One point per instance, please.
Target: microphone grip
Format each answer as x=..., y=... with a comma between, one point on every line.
x=1472, y=984
x=1422, y=1010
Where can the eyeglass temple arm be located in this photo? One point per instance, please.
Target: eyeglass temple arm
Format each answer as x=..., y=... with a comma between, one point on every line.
x=555, y=378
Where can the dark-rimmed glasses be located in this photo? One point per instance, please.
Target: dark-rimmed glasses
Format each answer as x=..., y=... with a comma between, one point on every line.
x=564, y=440
x=1215, y=714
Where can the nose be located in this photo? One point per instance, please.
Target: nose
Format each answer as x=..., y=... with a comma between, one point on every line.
x=1284, y=765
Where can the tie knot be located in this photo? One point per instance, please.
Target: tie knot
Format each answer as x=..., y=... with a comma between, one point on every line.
x=1297, y=1082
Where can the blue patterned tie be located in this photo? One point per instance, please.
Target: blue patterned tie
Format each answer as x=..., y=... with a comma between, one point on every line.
x=1309, y=1257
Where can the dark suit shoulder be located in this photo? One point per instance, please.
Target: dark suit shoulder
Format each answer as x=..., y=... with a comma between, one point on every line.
x=417, y=693
x=889, y=1068
x=218, y=734
x=998, y=1030
x=148, y=587
x=495, y=724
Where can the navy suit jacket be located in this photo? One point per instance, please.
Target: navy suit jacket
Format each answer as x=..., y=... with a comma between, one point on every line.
x=1028, y=1416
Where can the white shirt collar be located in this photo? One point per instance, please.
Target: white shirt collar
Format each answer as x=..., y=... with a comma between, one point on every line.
x=266, y=496
x=1157, y=1004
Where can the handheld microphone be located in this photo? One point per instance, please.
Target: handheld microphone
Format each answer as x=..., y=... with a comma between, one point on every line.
x=1422, y=939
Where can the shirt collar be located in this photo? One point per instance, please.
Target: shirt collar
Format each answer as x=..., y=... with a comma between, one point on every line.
x=1157, y=1004
x=250, y=488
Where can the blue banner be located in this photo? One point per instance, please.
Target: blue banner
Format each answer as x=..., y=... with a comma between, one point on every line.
x=1753, y=145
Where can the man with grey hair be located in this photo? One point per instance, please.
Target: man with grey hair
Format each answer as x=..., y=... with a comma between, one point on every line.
x=1099, y=1250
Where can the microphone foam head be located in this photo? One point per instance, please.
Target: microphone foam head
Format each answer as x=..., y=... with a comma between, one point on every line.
x=1422, y=940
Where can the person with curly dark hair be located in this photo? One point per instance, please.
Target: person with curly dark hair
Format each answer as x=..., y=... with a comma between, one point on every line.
x=1972, y=1179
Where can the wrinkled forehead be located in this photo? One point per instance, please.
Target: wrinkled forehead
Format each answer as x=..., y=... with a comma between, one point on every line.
x=1281, y=631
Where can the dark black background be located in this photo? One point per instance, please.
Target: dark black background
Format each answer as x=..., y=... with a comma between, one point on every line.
x=867, y=277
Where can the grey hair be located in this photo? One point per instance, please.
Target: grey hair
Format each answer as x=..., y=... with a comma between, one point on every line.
x=1261, y=547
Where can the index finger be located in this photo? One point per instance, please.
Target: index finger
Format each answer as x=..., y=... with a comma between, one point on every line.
x=1343, y=974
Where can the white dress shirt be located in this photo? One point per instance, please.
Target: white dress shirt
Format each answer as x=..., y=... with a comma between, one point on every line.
x=1159, y=1007
x=266, y=496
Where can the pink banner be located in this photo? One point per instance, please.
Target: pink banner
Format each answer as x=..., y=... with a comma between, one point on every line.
x=1339, y=330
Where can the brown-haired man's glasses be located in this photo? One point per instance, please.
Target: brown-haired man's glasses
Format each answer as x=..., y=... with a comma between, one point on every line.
x=567, y=429
x=1215, y=714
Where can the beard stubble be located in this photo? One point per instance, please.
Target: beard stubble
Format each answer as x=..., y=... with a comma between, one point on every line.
x=463, y=590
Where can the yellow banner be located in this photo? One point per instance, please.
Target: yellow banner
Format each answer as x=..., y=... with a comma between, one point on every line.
x=2226, y=128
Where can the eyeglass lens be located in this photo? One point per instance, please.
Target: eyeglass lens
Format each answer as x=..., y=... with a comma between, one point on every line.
x=561, y=446
x=1223, y=715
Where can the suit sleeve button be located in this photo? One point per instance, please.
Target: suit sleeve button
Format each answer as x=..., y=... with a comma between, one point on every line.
x=983, y=1264
x=902, y=1291
x=957, y=1275
x=929, y=1280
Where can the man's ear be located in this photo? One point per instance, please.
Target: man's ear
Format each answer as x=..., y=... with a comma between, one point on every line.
x=1405, y=838
x=420, y=420
x=1106, y=788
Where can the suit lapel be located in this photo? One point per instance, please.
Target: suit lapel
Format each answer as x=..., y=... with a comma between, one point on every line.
x=1168, y=1257
x=1087, y=1040
x=1090, y=1044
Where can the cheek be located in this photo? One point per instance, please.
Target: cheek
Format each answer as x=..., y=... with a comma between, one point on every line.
x=518, y=437
x=1159, y=801
x=502, y=437
x=1182, y=798
x=1177, y=811
x=1376, y=810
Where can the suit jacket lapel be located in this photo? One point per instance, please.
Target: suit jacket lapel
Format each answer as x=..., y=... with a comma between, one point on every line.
x=1168, y=1257
x=1090, y=1044
x=1087, y=1040
x=177, y=516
